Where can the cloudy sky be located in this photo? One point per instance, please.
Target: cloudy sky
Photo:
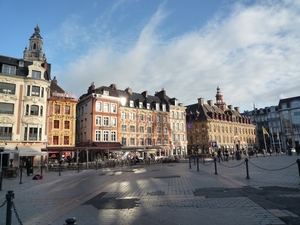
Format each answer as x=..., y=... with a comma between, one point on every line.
x=251, y=49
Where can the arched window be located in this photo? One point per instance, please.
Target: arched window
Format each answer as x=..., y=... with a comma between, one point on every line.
x=34, y=110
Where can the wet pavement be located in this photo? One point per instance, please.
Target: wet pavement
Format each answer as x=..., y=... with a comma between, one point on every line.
x=169, y=193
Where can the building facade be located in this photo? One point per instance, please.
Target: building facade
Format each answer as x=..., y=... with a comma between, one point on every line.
x=24, y=85
x=289, y=111
x=214, y=126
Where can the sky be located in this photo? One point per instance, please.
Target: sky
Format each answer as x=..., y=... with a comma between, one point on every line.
x=249, y=48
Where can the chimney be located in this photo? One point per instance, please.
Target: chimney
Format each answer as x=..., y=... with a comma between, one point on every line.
x=54, y=80
x=230, y=107
x=200, y=101
x=210, y=102
x=145, y=94
x=113, y=86
x=128, y=90
x=237, y=109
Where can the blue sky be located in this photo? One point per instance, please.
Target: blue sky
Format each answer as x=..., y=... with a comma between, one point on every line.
x=249, y=48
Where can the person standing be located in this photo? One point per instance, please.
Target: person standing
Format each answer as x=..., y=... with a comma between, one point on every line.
x=226, y=155
x=28, y=166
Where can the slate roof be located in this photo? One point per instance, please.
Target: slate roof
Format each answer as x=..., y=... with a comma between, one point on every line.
x=22, y=71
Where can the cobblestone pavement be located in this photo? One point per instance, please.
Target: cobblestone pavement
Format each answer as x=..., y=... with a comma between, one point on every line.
x=171, y=193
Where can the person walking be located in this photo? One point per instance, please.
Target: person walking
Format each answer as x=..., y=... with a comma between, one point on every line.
x=220, y=155
x=28, y=167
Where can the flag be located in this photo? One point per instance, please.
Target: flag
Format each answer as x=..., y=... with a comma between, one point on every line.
x=265, y=131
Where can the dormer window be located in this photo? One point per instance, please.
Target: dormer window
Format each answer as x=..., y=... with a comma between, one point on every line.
x=106, y=93
x=148, y=105
x=10, y=70
x=140, y=105
x=163, y=107
x=131, y=104
x=36, y=74
x=157, y=106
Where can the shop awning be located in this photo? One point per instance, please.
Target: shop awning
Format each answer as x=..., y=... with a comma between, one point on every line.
x=30, y=151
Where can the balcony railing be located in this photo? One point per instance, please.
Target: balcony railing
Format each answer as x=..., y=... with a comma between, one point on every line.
x=7, y=137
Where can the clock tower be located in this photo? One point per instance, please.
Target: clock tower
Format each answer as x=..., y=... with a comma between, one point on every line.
x=34, y=53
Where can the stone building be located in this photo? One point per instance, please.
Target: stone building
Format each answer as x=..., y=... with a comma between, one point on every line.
x=211, y=126
x=24, y=86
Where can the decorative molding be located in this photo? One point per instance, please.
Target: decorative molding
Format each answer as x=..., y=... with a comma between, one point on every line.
x=6, y=120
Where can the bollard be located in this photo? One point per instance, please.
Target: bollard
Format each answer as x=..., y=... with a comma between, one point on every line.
x=21, y=173
x=203, y=159
x=59, y=169
x=215, y=161
x=41, y=169
x=194, y=161
x=1, y=178
x=190, y=162
x=197, y=163
x=97, y=165
x=247, y=169
x=78, y=166
x=9, y=197
x=70, y=221
x=298, y=162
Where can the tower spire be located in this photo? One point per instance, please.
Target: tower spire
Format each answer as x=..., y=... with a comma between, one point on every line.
x=219, y=99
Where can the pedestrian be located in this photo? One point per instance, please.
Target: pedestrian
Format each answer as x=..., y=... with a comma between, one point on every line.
x=264, y=152
x=220, y=155
x=256, y=153
x=226, y=155
x=28, y=167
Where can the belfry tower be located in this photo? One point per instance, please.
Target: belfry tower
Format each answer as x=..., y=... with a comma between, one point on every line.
x=34, y=53
x=219, y=100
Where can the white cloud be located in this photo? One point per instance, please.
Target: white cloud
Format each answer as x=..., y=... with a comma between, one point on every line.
x=252, y=54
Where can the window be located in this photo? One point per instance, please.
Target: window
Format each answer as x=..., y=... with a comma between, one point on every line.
x=114, y=121
x=141, y=117
x=131, y=104
x=56, y=124
x=67, y=110
x=163, y=107
x=98, y=106
x=124, y=129
x=41, y=111
x=149, y=141
x=123, y=115
x=159, y=141
x=36, y=74
x=165, y=130
x=141, y=141
x=105, y=135
x=106, y=93
x=98, y=135
x=148, y=105
x=106, y=107
x=132, y=128
x=6, y=69
x=7, y=88
x=31, y=134
x=149, y=118
x=106, y=121
x=66, y=140
x=158, y=130
x=165, y=119
x=132, y=141
x=55, y=140
x=35, y=91
x=113, y=136
x=141, y=129
x=57, y=109
x=124, y=142
x=132, y=116
x=67, y=125
x=149, y=130
x=113, y=108
x=165, y=141
x=158, y=119
x=6, y=108
x=34, y=110
x=98, y=120
x=140, y=105
x=5, y=133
